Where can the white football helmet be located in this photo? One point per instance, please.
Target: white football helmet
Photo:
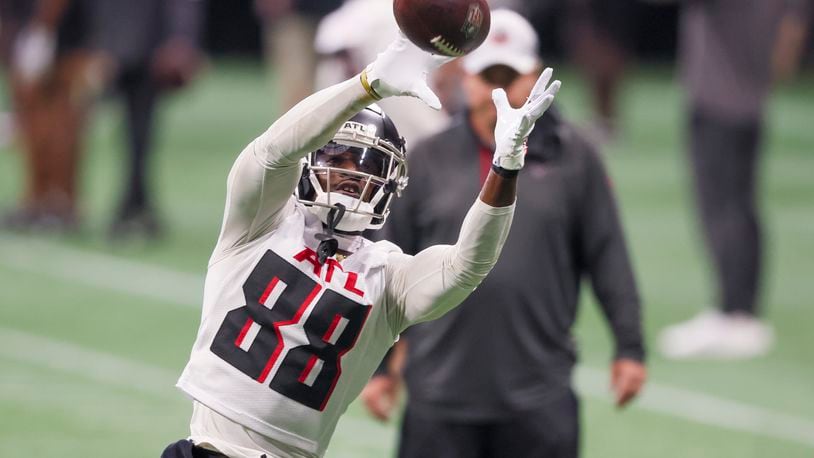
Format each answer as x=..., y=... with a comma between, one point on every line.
x=360, y=169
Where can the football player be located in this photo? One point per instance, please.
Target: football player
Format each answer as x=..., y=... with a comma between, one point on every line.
x=298, y=307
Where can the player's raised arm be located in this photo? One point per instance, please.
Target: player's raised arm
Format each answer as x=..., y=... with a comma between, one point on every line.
x=427, y=285
x=265, y=174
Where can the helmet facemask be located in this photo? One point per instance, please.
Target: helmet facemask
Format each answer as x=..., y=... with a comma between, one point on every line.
x=358, y=170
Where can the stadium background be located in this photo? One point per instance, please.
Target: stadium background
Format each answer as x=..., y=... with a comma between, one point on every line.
x=93, y=335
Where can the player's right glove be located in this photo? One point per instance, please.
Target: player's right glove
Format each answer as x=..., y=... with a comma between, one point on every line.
x=514, y=125
x=402, y=69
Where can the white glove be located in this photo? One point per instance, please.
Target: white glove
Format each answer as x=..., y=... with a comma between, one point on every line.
x=34, y=52
x=514, y=125
x=402, y=69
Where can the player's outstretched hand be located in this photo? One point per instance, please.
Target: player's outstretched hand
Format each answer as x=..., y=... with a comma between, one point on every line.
x=402, y=69
x=514, y=125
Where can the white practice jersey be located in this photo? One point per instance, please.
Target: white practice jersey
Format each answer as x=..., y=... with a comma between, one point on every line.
x=286, y=343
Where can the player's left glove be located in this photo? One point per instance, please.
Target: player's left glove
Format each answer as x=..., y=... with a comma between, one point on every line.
x=514, y=125
x=402, y=69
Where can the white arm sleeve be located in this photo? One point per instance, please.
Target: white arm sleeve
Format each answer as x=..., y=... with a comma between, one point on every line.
x=425, y=286
x=263, y=178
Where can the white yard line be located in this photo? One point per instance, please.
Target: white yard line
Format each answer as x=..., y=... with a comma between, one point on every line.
x=107, y=369
x=703, y=408
x=130, y=277
x=100, y=270
x=88, y=363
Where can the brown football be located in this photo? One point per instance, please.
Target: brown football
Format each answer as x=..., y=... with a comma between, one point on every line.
x=448, y=27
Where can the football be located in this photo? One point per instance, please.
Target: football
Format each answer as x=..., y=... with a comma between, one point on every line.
x=447, y=27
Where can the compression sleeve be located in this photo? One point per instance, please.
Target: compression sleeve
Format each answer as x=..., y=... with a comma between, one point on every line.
x=263, y=178
x=425, y=286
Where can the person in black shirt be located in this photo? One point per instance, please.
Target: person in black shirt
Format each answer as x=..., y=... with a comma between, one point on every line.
x=493, y=377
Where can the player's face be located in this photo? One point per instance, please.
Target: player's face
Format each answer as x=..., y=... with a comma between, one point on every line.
x=479, y=90
x=353, y=159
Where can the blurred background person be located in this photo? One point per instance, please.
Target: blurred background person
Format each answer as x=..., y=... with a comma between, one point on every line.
x=598, y=37
x=726, y=64
x=289, y=28
x=792, y=35
x=52, y=76
x=151, y=47
x=367, y=26
x=493, y=377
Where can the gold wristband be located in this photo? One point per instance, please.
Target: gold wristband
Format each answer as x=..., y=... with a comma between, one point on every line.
x=369, y=89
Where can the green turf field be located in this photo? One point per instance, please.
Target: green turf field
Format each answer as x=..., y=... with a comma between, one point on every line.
x=92, y=336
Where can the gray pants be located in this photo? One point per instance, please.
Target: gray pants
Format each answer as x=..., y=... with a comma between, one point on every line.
x=724, y=157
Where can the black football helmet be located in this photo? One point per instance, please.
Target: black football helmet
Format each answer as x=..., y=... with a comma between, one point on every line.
x=361, y=168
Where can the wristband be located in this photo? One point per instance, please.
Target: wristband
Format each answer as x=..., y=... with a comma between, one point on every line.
x=505, y=173
x=368, y=88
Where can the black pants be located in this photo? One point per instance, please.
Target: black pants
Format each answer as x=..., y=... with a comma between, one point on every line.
x=724, y=157
x=139, y=93
x=548, y=432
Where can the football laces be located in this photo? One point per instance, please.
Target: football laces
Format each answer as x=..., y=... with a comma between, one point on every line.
x=447, y=48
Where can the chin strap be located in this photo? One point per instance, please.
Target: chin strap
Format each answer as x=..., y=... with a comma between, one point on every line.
x=328, y=246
